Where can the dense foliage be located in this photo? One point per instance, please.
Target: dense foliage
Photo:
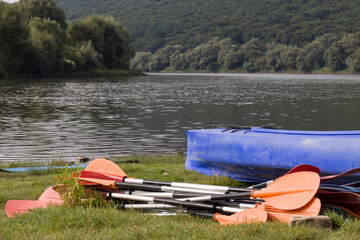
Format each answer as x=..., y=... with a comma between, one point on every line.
x=35, y=40
x=153, y=24
x=330, y=51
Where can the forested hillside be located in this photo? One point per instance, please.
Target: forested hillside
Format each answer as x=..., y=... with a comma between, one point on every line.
x=153, y=24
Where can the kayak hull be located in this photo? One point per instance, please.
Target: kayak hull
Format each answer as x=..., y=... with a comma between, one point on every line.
x=257, y=154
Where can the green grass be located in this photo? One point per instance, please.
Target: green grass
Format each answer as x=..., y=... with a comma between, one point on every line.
x=87, y=222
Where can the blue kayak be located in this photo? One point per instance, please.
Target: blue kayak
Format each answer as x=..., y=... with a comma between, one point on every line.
x=259, y=154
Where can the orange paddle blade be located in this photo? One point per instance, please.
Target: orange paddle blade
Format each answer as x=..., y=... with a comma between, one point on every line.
x=311, y=209
x=49, y=197
x=18, y=207
x=105, y=166
x=290, y=191
x=246, y=216
x=102, y=182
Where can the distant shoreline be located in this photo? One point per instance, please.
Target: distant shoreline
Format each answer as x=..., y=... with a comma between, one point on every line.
x=84, y=74
x=247, y=73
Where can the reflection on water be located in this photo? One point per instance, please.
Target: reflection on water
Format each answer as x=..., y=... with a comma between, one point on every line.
x=46, y=119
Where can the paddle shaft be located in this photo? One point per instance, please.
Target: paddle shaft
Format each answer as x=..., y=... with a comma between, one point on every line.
x=217, y=196
x=166, y=194
x=312, y=209
x=212, y=207
x=288, y=192
x=333, y=187
x=146, y=187
x=213, y=188
x=124, y=178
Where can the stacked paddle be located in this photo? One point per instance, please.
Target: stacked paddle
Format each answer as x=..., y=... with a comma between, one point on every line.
x=290, y=195
x=300, y=192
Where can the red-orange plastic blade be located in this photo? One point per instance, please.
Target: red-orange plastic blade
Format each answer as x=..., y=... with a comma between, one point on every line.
x=17, y=207
x=332, y=177
x=304, y=168
x=105, y=166
x=311, y=209
x=246, y=216
x=101, y=182
x=98, y=175
x=291, y=191
x=49, y=197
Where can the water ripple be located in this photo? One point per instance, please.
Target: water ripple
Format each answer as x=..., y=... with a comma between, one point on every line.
x=48, y=119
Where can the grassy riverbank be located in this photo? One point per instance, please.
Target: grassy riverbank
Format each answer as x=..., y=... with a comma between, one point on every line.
x=108, y=223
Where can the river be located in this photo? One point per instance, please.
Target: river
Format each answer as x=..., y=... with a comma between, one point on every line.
x=50, y=119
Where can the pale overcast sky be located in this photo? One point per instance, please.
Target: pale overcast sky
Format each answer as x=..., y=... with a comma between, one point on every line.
x=10, y=1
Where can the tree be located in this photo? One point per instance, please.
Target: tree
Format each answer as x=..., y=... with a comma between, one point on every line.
x=253, y=50
x=204, y=56
x=161, y=59
x=280, y=57
x=43, y=9
x=350, y=43
x=273, y=57
x=289, y=57
x=353, y=61
x=82, y=57
x=226, y=47
x=178, y=61
x=108, y=37
x=141, y=61
x=14, y=40
x=233, y=60
x=311, y=57
x=335, y=57
x=47, y=38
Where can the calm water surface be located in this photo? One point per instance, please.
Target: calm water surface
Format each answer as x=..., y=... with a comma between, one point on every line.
x=47, y=119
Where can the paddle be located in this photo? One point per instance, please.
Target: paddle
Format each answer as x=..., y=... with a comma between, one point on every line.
x=245, y=216
x=335, y=209
x=305, y=167
x=109, y=168
x=48, y=197
x=188, y=204
x=298, y=168
x=332, y=177
x=347, y=200
x=134, y=186
x=166, y=194
x=311, y=209
x=334, y=187
x=288, y=192
x=353, y=184
x=348, y=210
x=242, y=216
